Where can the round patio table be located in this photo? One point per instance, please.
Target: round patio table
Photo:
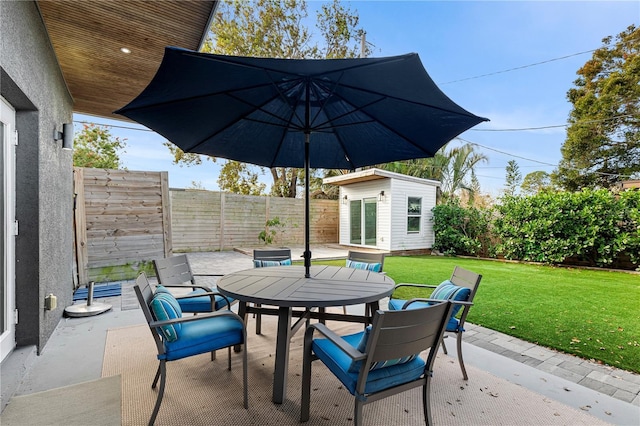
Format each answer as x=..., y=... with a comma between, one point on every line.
x=287, y=287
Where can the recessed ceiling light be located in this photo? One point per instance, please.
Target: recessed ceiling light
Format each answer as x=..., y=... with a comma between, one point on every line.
x=125, y=50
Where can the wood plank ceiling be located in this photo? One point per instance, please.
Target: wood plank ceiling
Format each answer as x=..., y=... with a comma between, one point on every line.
x=87, y=37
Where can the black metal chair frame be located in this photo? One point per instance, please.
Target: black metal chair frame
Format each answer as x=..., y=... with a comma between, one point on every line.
x=463, y=278
x=270, y=255
x=367, y=257
x=176, y=272
x=145, y=292
x=394, y=334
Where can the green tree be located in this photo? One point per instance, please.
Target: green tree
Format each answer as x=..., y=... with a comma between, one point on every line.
x=277, y=29
x=455, y=169
x=535, y=182
x=95, y=147
x=513, y=178
x=459, y=173
x=235, y=178
x=603, y=137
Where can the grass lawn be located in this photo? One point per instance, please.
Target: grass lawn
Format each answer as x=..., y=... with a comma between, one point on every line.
x=589, y=313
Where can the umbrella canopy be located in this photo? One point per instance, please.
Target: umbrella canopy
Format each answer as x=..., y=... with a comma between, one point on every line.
x=311, y=113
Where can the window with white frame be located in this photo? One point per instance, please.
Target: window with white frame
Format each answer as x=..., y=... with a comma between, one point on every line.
x=414, y=214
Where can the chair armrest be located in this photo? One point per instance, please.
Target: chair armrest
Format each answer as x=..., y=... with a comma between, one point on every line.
x=208, y=275
x=212, y=295
x=191, y=286
x=415, y=285
x=419, y=299
x=345, y=347
x=425, y=286
x=199, y=317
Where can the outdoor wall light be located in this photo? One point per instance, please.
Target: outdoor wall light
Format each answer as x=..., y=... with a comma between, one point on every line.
x=344, y=199
x=66, y=136
x=382, y=197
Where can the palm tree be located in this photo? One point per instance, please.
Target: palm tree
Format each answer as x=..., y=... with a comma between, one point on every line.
x=460, y=170
x=454, y=169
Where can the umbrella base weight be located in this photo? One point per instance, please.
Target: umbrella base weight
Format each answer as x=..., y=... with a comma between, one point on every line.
x=89, y=309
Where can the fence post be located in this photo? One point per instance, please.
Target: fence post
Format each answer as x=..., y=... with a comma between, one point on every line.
x=166, y=213
x=82, y=255
x=222, y=207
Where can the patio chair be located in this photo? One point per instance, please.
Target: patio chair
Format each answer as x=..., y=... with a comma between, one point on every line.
x=263, y=258
x=461, y=287
x=175, y=272
x=365, y=260
x=382, y=360
x=179, y=337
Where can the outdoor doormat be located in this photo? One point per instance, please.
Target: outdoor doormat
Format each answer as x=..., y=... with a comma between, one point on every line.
x=99, y=290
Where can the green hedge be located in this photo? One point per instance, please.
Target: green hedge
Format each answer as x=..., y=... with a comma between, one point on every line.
x=597, y=227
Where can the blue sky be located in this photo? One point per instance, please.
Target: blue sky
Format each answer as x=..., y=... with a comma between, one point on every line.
x=459, y=43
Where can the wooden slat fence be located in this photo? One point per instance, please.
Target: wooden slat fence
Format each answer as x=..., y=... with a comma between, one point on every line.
x=208, y=221
x=121, y=218
x=124, y=219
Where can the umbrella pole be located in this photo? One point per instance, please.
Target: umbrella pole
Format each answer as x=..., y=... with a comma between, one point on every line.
x=307, y=218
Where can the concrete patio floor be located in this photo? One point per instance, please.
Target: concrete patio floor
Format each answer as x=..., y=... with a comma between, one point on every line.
x=74, y=354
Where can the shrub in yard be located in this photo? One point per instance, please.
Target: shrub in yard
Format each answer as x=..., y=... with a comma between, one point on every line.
x=460, y=230
x=592, y=225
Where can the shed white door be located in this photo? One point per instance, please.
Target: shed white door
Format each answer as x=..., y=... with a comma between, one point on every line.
x=8, y=229
x=363, y=222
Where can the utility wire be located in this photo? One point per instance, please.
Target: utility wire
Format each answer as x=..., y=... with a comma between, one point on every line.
x=112, y=125
x=520, y=67
x=523, y=129
x=536, y=161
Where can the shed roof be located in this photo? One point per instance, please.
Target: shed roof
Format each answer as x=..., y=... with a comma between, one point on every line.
x=374, y=174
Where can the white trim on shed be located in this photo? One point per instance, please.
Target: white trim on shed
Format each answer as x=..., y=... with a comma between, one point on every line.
x=391, y=193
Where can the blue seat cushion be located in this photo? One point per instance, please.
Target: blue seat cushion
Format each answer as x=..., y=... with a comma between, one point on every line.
x=362, y=345
x=265, y=263
x=373, y=267
x=202, y=303
x=383, y=378
x=197, y=304
x=205, y=335
x=165, y=307
x=445, y=291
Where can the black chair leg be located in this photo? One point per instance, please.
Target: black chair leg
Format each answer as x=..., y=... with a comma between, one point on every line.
x=426, y=403
x=162, y=369
x=155, y=379
x=460, y=360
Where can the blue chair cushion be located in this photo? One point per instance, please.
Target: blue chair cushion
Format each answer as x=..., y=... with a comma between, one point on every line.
x=445, y=291
x=205, y=335
x=373, y=267
x=362, y=345
x=197, y=304
x=383, y=378
x=265, y=263
x=165, y=307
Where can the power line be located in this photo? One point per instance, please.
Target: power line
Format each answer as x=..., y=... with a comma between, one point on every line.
x=505, y=153
x=540, y=162
x=520, y=67
x=522, y=129
x=112, y=125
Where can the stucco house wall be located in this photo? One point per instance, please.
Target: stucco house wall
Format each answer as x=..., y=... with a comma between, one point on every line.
x=31, y=81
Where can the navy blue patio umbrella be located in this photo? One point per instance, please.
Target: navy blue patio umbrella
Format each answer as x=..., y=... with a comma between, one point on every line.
x=311, y=113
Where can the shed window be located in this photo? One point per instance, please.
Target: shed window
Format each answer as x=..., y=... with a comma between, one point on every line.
x=414, y=214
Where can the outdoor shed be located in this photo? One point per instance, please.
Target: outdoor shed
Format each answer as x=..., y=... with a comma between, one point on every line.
x=386, y=210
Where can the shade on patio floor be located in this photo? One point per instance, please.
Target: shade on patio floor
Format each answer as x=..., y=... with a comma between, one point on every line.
x=200, y=391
